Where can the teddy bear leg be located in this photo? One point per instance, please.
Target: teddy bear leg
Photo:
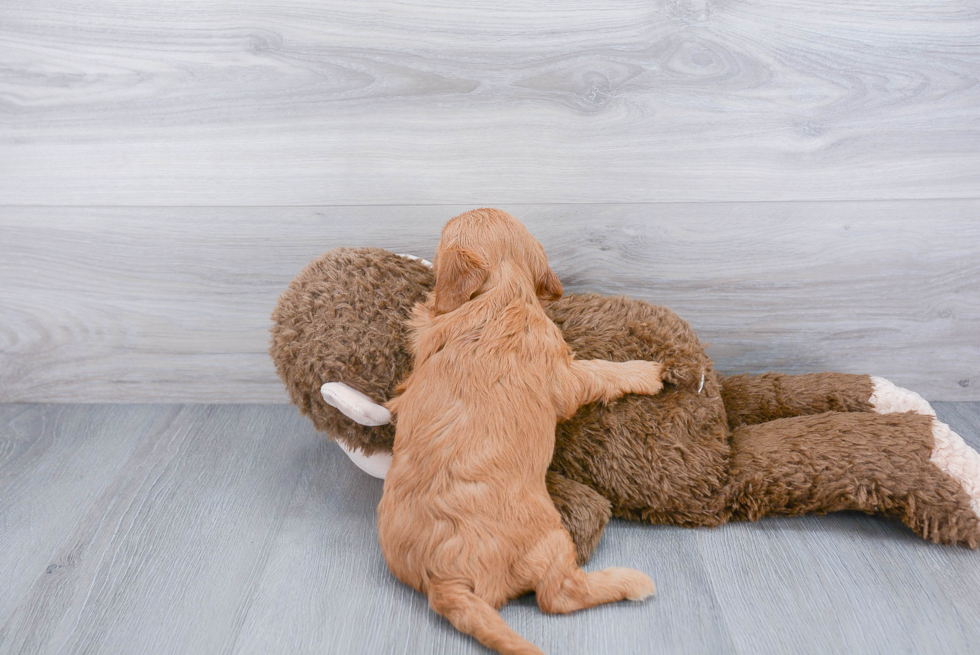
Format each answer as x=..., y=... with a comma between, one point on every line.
x=904, y=465
x=584, y=512
x=950, y=453
x=754, y=399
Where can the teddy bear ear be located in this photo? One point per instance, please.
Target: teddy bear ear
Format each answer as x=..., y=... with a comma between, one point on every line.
x=459, y=274
x=354, y=405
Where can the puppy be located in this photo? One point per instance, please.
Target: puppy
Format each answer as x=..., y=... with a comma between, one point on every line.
x=465, y=517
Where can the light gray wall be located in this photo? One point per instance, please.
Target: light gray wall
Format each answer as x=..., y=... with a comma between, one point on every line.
x=800, y=180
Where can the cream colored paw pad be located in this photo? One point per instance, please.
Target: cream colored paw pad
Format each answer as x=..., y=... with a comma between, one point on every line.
x=951, y=454
x=888, y=398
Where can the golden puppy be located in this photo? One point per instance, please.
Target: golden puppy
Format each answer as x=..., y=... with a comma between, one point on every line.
x=465, y=517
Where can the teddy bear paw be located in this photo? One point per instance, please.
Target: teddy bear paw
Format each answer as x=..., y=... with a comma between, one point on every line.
x=887, y=398
x=950, y=453
x=955, y=457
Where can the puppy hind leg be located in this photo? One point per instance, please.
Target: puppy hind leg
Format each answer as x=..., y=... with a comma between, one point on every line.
x=563, y=587
x=472, y=615
x=578, y=590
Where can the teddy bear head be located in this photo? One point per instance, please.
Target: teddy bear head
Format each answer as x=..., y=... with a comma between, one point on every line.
x=343, y=319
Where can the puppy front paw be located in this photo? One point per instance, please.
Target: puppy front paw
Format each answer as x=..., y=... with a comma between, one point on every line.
x=648, y=378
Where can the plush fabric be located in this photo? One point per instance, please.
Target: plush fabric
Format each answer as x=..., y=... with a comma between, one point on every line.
x=342, y=319
x=878, y=464
x=583, y=512
x=706, y=450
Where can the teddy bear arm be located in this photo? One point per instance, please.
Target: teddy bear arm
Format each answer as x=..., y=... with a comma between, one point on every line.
x=754, y=399
x=584, y=512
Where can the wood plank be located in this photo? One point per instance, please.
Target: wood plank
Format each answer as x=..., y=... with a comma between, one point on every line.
x=846, y=583
x=172, y=304
x=386, y=102
x=326, y=588
x=161, y=561
x=235, y=529
x=55, y=463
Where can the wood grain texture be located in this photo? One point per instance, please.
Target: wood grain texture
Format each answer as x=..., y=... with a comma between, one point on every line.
x=55, y=463
x=387, y=102
x=161, y=560
x=173, y=304
x=195, y=530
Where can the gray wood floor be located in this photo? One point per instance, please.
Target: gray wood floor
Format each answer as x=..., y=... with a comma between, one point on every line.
x=237, y=529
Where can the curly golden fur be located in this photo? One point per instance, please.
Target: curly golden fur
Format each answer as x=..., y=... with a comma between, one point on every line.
x=466, y=517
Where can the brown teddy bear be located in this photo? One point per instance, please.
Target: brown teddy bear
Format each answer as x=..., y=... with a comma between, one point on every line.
x=706, y=450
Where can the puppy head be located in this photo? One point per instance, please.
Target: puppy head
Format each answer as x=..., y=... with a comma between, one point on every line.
x=480, y=248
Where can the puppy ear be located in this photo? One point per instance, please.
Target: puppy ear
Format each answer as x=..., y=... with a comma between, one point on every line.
x=548, y=287
x=459, y=274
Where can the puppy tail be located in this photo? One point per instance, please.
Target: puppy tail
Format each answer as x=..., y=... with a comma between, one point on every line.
x=471, y=614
